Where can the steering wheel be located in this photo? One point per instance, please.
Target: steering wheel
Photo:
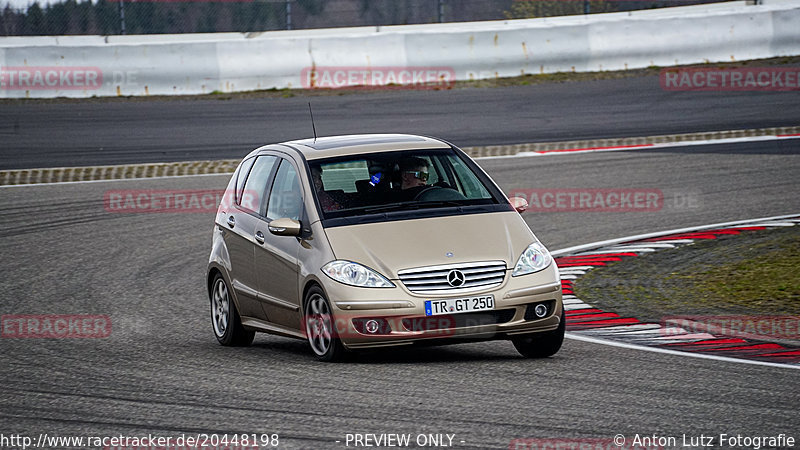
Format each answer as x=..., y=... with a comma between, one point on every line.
x=434, y=193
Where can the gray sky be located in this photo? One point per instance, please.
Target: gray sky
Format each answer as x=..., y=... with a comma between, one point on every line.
x=23, y=3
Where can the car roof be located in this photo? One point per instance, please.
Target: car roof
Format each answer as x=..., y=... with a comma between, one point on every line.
x=354, y=144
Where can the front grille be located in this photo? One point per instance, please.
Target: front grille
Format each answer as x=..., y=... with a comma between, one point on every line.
x=477, y=275
x=472, y=319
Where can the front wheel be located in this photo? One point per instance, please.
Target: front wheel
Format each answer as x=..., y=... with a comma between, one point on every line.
x=225, y=318
x=542, y=345
x=321, y=327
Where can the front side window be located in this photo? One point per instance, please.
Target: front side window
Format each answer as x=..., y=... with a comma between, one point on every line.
x=402, y=181
x=251, y=198
x=285, y=198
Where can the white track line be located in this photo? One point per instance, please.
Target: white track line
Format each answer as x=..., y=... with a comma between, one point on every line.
x=658, y=331
x=645, y=245
x=738, y=140
x=602, y=251
x=778, y=224
x=610, y=242
x=115, y=180
x=632, y=249
x=595, y=340
x=576, y=306
x=574, y=302
x=686, y=337
x=620, y=329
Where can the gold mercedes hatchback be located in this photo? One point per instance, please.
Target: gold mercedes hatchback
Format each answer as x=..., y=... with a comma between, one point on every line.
x=364, y=241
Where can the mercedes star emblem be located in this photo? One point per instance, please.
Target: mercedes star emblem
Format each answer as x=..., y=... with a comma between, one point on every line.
x=455, y=278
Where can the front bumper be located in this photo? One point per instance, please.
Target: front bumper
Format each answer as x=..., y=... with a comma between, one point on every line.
x=402, y=320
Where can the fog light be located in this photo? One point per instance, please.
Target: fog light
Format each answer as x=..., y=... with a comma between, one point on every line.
x=371, y=326
x=540, y=310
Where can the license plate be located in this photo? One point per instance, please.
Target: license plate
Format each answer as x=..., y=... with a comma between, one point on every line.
x=459, y=305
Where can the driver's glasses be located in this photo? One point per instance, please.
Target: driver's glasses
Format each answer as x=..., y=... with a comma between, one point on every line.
x=419, y=174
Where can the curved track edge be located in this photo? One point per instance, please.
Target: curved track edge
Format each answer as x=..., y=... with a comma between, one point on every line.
x=590, y=324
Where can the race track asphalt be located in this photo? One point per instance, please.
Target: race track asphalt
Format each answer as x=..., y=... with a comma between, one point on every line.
x=97, y=132
x=162, y=372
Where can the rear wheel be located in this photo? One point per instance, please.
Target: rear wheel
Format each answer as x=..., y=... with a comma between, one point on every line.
x=225, y=318
x=321, y=327
x=542, y=345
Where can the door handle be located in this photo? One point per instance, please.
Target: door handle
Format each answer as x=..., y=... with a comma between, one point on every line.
x=259, y=237
x=231, y=221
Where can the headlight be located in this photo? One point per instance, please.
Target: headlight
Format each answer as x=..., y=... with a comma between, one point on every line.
x=533, y=259
x=355, y=274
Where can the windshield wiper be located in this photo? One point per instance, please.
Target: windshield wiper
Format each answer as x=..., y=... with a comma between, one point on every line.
x=438, y=203
x=412, y=205
x=391, y=207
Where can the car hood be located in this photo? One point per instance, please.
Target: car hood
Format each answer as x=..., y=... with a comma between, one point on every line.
x=406, y=244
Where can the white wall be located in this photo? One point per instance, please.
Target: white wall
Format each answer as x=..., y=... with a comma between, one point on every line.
x=74, y=66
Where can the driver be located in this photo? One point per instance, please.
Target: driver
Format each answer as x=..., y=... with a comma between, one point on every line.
x=413, y=176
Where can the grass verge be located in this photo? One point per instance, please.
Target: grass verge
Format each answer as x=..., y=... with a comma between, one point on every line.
x=754, y=273
x=522, y=80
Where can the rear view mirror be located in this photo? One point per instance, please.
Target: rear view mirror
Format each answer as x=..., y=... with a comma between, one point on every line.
x=519, y=203
x=285, y=227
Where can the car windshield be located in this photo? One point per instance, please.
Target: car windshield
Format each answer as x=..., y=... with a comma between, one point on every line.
x=387, y=182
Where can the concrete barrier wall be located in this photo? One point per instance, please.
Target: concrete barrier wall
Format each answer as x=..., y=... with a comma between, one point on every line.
x=85, y=66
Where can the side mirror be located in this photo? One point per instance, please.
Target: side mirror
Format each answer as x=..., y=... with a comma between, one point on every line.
x=285, y=227
x=519, y=203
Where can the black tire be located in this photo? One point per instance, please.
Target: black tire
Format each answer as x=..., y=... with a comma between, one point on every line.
x=225, y=320
x=320, y=327
x=542, y=345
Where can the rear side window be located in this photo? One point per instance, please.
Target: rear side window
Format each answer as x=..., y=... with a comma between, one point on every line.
x=255, y=188
x=241, y=176
x=343, y=177
x=286, y=198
